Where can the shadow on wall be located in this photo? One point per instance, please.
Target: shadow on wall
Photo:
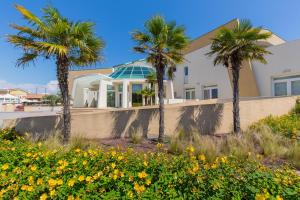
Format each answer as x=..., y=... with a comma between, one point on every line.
x=121, y=119
x=141, y=122
x=203, y=119
x=39, y=127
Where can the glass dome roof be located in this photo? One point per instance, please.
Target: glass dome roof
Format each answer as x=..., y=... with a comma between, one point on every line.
x=131, y=72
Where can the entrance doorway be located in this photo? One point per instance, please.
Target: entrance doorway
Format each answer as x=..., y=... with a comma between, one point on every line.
x=137, y=99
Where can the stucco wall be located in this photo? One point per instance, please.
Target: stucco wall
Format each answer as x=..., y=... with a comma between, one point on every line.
x=283, y=61
x=202, y=72
x=205, y=117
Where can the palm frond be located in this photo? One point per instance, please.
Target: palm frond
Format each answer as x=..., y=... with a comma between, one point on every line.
x=26, y=59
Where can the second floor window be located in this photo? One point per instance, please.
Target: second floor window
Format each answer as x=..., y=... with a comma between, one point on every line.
x=186, y=71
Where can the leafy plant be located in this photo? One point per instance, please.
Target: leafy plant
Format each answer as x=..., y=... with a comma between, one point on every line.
x=162, y=43
x=31, y=171
x=55, y=37
x=233, y=46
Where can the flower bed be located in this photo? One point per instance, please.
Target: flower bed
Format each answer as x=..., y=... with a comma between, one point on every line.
x=31, y=171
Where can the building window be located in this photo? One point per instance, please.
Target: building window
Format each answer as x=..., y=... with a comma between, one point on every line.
x=286, y=86
x=186, y=75
x=190, y=93
x=186, y=71
x=210, y=92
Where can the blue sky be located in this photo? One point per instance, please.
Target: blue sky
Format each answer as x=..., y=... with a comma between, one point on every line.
x=115, y=19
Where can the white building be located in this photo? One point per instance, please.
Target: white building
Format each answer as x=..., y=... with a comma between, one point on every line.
x=198, y=78
x=121, y=88
x=9, y=99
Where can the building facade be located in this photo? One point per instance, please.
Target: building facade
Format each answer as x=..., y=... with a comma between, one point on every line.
x=198, y=78
x=118, y=87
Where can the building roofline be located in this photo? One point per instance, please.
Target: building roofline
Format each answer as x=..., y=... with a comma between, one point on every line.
x=83, y=69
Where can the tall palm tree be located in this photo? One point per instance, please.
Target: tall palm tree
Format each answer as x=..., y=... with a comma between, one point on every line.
x=231, y=47
x=55, y=37
x=163, y=43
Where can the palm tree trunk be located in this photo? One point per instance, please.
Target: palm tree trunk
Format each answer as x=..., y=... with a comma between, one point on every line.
x=160, y=81
x=62, y=76
x=236, y=98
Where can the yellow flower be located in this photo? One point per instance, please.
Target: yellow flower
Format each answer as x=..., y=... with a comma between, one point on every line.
x=202, y=157
x=77, y=150
x=81, y=178
x=59, y=182
x=190, y=149
x=88, y=179
x=113, y=153
x=142, y=174
x=139, y=188
x=120, y=157
x=113, y=165
x=52, y=192
x=5, y=167
x=159, y=145
x=33, y=168
x=115, y=176
x=148, y=182
x=24, y=187
x=29, y=188
x=145, y=163
x=130, y=194
x=224, y=159
x=39, y=144
x=279, y=197
x=43, y=196
x=213, y=166
x=195, y=168
x=71, y=183
x=70, y=197
x=30, y=180
x=84, y=162
x=52, y=182
x=39, y=181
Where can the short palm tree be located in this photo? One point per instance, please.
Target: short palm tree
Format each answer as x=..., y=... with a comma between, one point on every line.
x=55, y=37
x=163, y=43
x=231, y=47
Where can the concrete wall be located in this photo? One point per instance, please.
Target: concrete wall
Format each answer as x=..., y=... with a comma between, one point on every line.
x=206, y=117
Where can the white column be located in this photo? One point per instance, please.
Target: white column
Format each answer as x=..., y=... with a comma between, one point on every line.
x=102, y=100
x=171, y=90
x=125, y=94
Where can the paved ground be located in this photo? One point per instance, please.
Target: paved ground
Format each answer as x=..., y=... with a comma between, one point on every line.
x=15, y=115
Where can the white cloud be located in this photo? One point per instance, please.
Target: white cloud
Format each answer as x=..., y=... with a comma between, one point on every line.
x=51, y=87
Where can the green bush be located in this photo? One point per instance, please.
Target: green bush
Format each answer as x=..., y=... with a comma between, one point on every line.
x=29, y=171
x=296, y=110
x=287, y=125
x=9, y=134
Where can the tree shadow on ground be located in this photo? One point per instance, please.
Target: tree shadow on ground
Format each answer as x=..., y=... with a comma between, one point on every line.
x=121, y=119
x=203, y=119
x=141, y=122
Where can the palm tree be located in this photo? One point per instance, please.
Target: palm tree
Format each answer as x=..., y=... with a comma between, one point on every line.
x=163, y=43
x=55, y=37
x=148, y=94
x=152, y=80
x=231, y=47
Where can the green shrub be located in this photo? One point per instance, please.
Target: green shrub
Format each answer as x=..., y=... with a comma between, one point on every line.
x=29, y=171
x=296, y=110
x=287, y=125
x=9, y=134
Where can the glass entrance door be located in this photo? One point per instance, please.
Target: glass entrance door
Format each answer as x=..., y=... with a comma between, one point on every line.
x=111, y=96
x=137, y=99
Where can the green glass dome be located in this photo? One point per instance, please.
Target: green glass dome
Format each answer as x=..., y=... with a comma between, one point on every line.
x=131, y=72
